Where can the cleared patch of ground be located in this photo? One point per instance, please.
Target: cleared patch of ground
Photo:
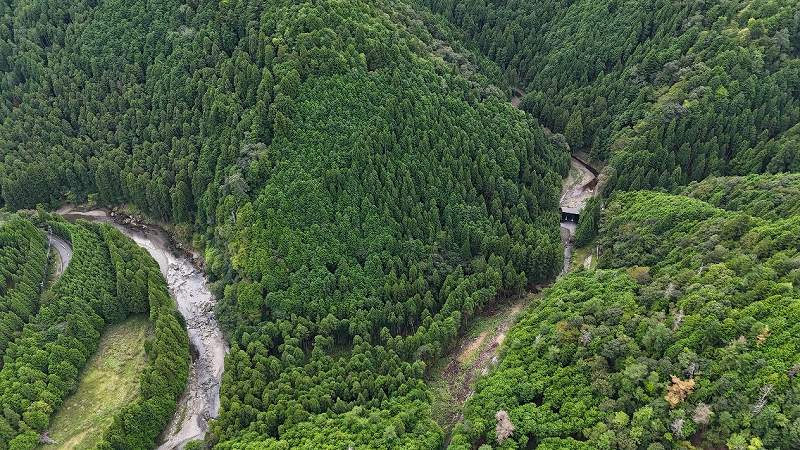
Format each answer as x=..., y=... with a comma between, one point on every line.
x=453, y=379
x=577, y=187
x=585, y=257
x=109, y=382
x=468, y=353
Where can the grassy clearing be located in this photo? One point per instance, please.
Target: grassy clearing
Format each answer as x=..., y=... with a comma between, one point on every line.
x=109, y=381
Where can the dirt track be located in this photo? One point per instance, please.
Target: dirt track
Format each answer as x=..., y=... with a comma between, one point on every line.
x=516, y=98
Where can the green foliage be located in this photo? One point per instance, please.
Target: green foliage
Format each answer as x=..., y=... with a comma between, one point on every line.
x=574, y=131
x=668, y=92
x=589, y=223
x=43, y=362
x=141, y=288
x=194, y=445
x=23, y=261
x=393, y=210
x=393, y=425
x=707, y=296
x=764, y=196
x=360, y=190
x=359, y=186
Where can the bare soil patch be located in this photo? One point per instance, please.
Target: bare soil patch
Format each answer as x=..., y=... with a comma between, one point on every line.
x=455, y=381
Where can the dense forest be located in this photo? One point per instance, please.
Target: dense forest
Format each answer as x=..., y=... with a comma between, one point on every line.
x=23, y=266
x=358, y=185
x=763, y=196
x=668, y=91
x=360, y=188
x=687, y=336
x=108, y=278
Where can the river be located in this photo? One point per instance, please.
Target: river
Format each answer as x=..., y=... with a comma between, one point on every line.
x=189, y=287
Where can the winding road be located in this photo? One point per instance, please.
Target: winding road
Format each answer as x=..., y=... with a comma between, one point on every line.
x=189, y=287
x=63, y=252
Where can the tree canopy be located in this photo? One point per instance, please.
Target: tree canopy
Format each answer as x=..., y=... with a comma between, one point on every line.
x=358, y=185
x=23, y=268
x=685, y=336
x=108, y=278
x=668, y=92
x=360, y=188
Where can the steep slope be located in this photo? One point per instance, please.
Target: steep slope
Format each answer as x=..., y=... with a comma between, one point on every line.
x=685, y=337
x=669, y=92
x=357, y=186
x=395, y=209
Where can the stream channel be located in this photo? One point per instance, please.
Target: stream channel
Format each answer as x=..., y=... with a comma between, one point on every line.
x=189, y=287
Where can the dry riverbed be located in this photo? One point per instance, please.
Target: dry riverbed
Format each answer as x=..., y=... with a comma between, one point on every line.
x=453, y=379
x=189, y=288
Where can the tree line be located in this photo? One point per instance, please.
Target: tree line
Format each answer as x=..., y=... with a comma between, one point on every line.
x=143, y=288
x=685, y=336
x=23, y=268
x=358, y=187
x=109, y=277
x=668, y=92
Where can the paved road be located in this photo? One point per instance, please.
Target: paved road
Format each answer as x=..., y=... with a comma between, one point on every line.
x=64, y=251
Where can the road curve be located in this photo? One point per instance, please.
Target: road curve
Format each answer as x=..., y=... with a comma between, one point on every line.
x=63, y=252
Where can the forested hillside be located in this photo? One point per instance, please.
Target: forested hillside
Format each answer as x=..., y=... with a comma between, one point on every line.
x=108, y=279
x=359, y=188
x=764, y=196
x=669, y=92
x=687, y=336
x=23, y=266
